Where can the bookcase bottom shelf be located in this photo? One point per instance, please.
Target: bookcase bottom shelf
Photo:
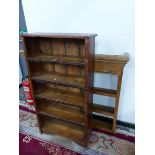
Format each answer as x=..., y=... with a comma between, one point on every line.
x=63, y=129
x=101, y=125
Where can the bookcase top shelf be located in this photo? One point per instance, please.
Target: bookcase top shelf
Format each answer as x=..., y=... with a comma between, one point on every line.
x=58, y=60
x=61, y=35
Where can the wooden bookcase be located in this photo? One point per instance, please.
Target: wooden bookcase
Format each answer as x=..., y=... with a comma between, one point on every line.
x=111, y=64
x=61, y=68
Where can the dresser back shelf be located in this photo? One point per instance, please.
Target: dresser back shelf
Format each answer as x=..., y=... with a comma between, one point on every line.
x=111, y=64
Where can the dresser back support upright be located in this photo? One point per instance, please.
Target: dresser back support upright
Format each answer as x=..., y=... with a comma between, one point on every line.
x=111, y=64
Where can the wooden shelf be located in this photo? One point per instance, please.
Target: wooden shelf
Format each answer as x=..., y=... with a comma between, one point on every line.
x=63, y=112
x=103, y=109
x=64, y=129
x=105, y=92
x=102, y=125
x=61, y=35
x=121, y=59
x=61, y=96
x=58, y=78
x=66, y=60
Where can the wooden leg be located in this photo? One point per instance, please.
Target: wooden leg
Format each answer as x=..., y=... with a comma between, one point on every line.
x=117, y=102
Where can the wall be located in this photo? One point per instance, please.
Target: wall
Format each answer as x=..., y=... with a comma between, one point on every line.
x=22, y=23
x=20, y=75
x=112, y=20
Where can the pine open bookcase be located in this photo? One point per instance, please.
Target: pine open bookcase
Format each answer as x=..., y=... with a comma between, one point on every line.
x=61, y=68
x=61, y=71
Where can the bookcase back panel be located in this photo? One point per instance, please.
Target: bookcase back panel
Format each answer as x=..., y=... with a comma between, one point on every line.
x=36, y=68
x=45, y=46
x=56, y=47
x=59, y=68
x=38, y=87
x=32, y=46
x=72, y=48
x=74, y=70
x=82, y=50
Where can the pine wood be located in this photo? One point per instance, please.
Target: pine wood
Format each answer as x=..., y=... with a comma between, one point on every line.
x=117, y=101
x=61, y=35
x=62, y=112
x=109, y=111
x=61, y=96
x=64, y=129
x=103, y=91
x=58, y=78
x=61, y=70
x=113, y=64
x=58, y=60
x=121, y=59
x=102, y=125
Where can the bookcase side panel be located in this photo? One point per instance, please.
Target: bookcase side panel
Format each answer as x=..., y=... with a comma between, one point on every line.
x=29, y=74
x=89, y=78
